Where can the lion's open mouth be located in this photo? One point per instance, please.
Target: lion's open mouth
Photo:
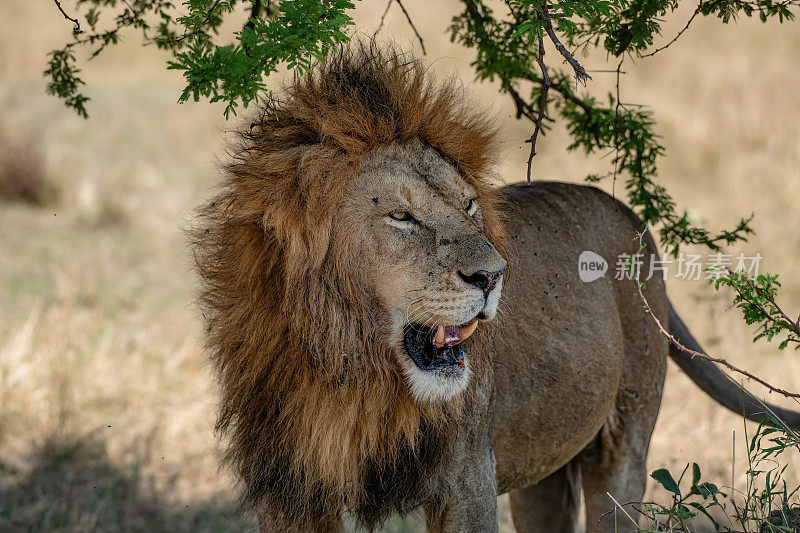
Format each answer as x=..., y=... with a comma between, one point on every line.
x=432, y=349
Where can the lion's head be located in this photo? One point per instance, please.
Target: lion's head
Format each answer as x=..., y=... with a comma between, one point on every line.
x=353, y=247
x=421, y=229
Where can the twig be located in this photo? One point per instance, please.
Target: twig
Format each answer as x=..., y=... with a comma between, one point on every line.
x=77, y=29
x=411, y=23
x=542, y=105
x=104, y=36
x=616, y=132
x=686, y=27
x=580, y=72
x=200, y=27
x=476, y=16
x=717, y=360
x=794, y=327
x=254, y=12
x=383, y=17
x=524, y=109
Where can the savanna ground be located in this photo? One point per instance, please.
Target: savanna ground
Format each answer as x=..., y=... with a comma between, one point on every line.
x=106, y=403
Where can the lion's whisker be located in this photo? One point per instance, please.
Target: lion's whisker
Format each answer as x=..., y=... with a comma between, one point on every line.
x=414, y=308
x=419, y=313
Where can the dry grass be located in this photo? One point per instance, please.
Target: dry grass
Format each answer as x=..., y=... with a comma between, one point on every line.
x=106, y=405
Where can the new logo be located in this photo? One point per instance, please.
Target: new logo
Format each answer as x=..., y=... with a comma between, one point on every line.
x=591, y=266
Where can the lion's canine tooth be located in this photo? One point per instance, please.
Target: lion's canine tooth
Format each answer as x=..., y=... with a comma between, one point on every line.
x=468, y=330
x=439, y=337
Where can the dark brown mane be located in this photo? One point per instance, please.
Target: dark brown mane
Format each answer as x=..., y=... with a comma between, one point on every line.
x=315, y=410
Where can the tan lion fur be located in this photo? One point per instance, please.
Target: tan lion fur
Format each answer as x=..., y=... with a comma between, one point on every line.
x=312, y=400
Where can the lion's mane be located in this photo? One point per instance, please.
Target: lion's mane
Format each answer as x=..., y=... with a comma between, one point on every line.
x=313, y=405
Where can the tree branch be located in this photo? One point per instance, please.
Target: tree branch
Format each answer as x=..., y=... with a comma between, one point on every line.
x=254, y=12
x=616, y=131
x=686, y=27
x=580, y=72
x=383, y=18
x=411, y=23
x=542, y=104
x=77, y=29
x=791, y=325
x=717, y=360
x=200, y=27
x=524, y=109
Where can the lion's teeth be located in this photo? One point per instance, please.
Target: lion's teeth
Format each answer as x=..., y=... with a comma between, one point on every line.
x=439, y=337
x=469, y=330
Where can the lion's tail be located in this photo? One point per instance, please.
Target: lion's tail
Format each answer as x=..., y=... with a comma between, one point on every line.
x=717, y=383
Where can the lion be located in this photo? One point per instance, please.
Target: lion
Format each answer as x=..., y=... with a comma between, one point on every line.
x=352, y=267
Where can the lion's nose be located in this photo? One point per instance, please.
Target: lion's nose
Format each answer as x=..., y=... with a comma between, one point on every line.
x=483, y=279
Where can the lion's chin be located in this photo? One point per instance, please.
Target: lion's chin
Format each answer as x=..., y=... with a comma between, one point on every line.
x=434, y=362
x=430, y=386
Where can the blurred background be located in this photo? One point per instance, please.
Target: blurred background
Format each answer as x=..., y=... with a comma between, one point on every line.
x=107, y=405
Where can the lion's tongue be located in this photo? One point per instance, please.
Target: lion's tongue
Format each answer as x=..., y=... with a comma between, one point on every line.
x=452, y=335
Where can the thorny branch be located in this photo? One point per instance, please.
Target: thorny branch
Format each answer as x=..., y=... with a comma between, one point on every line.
x=77, y=29
x=523, y=107
x=616, y=130
x=580, y=76
x=542, y=104
x=627, y=136
x=675, y=342
x=580, y=72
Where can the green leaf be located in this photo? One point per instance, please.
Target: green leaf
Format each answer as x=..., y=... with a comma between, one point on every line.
x=666, y=480
x=707, y=489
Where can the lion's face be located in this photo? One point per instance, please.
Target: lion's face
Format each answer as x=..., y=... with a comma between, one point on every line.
x=421, y=233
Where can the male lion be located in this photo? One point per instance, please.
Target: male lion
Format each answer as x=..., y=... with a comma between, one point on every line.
x=352, y=265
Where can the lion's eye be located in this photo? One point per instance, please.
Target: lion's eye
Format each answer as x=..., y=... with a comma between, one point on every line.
x=471, y=207
x=402, y=216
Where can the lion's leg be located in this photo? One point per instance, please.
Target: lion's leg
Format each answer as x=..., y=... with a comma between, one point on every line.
x=615, y=462
x=549, y=506
x=622, y=474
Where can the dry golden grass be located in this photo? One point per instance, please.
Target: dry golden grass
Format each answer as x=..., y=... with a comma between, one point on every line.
x=106, y=405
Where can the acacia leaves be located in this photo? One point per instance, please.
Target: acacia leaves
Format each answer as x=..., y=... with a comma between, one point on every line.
x=755, y=297
x=303, y=31
x=294, y=34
